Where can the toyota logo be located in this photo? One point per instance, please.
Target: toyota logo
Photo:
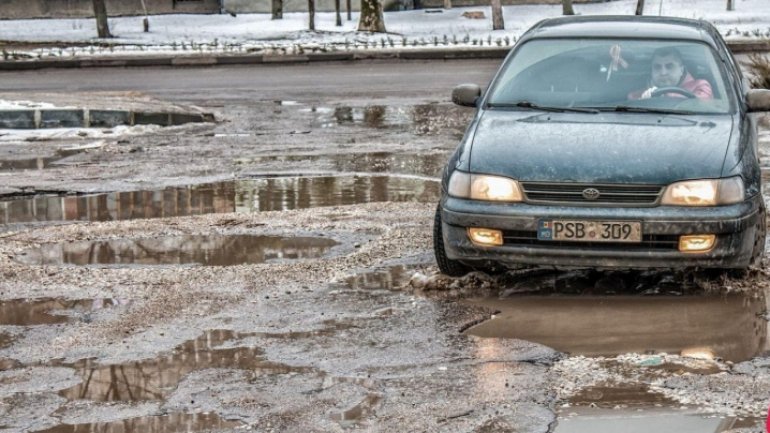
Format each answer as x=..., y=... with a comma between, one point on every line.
x=591, y=193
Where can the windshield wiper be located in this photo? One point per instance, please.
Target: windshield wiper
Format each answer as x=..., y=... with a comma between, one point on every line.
x=532, y=105
x=630, y=109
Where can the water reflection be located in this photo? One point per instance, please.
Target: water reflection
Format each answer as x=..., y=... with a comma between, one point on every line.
x=376, y=162
x=36, y=163
x=24, y=312
x=253, y=195
x=178, y=422
x=386, y=279
x=419, y=119
x=153, y=379
x=729, y=326
x=202, y=250
x=5, y=340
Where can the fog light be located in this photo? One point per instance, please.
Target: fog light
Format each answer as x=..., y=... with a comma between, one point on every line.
x=487, y=237
x=696, y=243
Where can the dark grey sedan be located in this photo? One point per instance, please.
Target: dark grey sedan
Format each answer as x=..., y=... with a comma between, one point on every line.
x=607, y=142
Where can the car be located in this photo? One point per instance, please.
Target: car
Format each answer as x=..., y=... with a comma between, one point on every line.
x=607, y=142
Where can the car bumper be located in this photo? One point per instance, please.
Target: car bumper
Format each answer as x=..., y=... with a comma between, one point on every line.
x=734, y=227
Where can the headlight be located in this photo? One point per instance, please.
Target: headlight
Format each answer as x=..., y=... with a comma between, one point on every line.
x=704, y=192
x=483, y=187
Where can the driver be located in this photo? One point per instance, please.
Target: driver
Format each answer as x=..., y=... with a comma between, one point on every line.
x=668, y=71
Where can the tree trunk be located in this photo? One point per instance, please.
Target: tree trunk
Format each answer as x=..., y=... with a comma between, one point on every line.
x=338, y=14
x=639, y=7
x=566, y=7
x=277, y=9
x=730, y=5
x=102, y=26
x=447, y=4
x=349, y=6
x=371, y=19
x=497, y=15
x=311, y=14
x=146, y=21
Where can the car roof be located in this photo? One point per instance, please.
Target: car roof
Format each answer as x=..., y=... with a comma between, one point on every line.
x=630, y=26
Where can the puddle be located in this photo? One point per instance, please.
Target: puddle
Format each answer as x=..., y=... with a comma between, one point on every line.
x=358, y=412
x=729, y=327
x=201, y=250
x=5, y=340
x=154, y=379
x=37, y=163
x=250, y=195
x=632, y=408
x=377, y=162
x=386, y=279
x=419, y=119
x=172, y=423
x=22, y=312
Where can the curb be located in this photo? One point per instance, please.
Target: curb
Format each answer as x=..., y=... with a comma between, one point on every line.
x=85, y=118
x=252, y=59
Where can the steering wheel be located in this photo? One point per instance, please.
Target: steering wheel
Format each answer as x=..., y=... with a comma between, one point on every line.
x=678, y=90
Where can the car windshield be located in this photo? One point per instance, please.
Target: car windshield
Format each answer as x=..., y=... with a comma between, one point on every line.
x=627, y=75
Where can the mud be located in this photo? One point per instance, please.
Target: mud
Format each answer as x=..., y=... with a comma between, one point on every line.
x=181, y=250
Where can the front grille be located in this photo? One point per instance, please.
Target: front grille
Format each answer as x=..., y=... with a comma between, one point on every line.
x=572, y=193
x=649, y=242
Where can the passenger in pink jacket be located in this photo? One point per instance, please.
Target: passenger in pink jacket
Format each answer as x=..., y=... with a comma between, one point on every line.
x=668, y=71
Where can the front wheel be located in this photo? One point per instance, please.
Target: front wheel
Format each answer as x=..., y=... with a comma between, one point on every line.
x=447, y=266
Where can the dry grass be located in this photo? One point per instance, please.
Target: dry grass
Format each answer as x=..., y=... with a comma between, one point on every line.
x=759, y=66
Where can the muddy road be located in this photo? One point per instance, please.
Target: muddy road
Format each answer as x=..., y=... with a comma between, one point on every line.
x=273, y=272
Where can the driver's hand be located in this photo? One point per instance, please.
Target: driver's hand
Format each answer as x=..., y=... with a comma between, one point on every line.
x=647, y=94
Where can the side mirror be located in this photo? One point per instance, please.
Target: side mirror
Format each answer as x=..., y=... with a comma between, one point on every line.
x=758, y=99
x=466, y=95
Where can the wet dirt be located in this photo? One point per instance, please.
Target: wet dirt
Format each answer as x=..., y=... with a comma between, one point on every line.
x=425, y=164
x=154, y=379
x=611, y=325
x=171, y=423
x=5, y=340
x=180, y=250
x=24, y=312
x=251, y=195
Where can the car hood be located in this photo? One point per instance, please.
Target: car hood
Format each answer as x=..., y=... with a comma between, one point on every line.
x=600, y=148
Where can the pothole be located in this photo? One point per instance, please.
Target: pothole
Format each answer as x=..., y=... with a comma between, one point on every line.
x=216, y=250
x=730, y=327
x=171, y=423
x=5, y=340
x=376, y=162
x=249, y=195
x=154, y=379
x=635, y=409
x=46, y=311
x=384, y=279
x=358, y=412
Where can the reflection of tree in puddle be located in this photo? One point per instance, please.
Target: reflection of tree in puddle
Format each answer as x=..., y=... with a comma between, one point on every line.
x=387, y=279
x=729, y=326
x=421, y=119
x=179, y=422
x=308, y=192
x=23, y=312
x=204, y=250
x=154, y=378
x=375, y=162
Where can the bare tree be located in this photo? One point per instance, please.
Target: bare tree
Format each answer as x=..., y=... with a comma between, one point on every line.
x=447, y=4
x=371, y=19
x=730, y=5
x=349, y=6
x=311, y=14
x=338, y=15
x=640, y=7
x=146, y=20
x=102, y=26
x=497, y=15
x=566, y=7
x=277, y=9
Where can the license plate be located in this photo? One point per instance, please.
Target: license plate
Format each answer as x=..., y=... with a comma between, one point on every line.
x=589, y=231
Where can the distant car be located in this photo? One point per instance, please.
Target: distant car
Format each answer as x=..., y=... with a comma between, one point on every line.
x=607, y=142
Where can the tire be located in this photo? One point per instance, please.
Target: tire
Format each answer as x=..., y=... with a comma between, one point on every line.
x=758, y=252
x=447, y=266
